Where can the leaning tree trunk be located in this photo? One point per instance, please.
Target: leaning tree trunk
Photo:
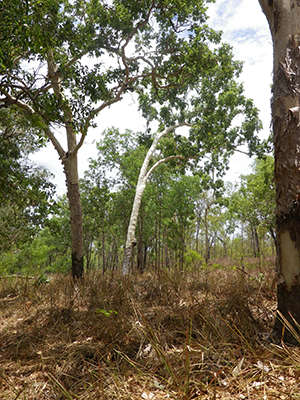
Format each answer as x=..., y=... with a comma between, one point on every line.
x=284, y=21
x=140, y=187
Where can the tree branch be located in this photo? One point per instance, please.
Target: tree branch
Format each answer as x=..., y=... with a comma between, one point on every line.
x=61, y=152
x=163, y=160
x=10, y=100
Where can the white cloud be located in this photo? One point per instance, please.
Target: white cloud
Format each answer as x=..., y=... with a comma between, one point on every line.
x=234, y=15
x=246, y=29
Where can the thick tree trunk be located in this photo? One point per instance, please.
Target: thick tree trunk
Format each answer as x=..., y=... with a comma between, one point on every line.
x=71, y=172
x=284, y=21
x=69, y=161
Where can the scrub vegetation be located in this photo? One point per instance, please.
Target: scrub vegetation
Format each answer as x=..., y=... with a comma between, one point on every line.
x=200, y=334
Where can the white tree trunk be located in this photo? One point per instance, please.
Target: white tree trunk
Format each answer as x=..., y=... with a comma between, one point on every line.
x=140, y=187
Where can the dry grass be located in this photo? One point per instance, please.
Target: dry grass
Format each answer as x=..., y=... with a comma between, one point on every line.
x=172, y=335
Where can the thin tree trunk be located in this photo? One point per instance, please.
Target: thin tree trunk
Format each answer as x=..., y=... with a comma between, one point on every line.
x=207, y=244
x=284, y=21
x=103, y=251
x=156, y=244
x=255, y=242
x=197, y=234
x=274, y=238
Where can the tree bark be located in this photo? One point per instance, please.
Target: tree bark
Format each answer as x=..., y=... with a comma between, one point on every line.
x=284, y=20
x=72, y=182
x=255, y=242
x=70, y=164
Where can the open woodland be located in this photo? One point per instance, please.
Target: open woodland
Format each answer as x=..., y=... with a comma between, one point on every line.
x=152, y=277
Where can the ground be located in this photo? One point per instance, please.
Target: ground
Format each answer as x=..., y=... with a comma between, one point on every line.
x=201, y=334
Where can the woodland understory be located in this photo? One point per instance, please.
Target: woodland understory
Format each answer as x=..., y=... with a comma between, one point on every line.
x=165, y=334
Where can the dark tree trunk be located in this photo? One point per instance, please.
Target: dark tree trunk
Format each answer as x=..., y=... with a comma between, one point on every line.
x=284, y=21
x=275, y=241
x=140, y=256
x=103, y=251
x=256, y=246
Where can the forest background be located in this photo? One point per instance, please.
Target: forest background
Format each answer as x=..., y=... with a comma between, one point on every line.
x=105, y=243
x=194, y=317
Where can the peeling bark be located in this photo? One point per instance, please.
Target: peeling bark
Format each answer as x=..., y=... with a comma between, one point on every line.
x=284, y=21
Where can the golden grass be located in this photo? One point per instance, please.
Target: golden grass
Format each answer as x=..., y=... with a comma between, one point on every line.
x=167, y=335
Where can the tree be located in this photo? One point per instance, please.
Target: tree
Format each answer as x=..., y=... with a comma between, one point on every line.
x=25, y=191
x=95, y=195
x=284, y=22
x=254, y=201
x=144, y=175
x=210, y=110
x=62, y=62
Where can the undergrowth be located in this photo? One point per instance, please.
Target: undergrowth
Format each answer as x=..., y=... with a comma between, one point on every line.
x=162, y=335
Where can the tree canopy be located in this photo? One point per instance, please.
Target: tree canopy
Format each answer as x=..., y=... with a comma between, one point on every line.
x=65, y=61
x=25, y=190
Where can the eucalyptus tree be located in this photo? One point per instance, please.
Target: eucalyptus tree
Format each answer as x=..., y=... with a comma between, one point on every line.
x=63, y=62
x=95, y=189
x=144, y=175
x=284, y=21
x=210, y=111
x=108, y=190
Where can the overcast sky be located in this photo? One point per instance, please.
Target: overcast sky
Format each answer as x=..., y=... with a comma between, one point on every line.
x=244, y=27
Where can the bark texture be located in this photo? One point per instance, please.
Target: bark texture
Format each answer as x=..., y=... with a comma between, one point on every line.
x=284, y=20
x=70, y=167
x=70, y=164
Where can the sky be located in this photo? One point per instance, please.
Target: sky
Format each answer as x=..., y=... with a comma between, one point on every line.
x=245, y=28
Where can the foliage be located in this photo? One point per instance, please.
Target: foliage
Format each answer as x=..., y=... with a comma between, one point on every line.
x=65, y=61
x=44, y=254
x=193, y=259
x=25, y=191
x=253, y=202
x=156, y=48
x=255, y=199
